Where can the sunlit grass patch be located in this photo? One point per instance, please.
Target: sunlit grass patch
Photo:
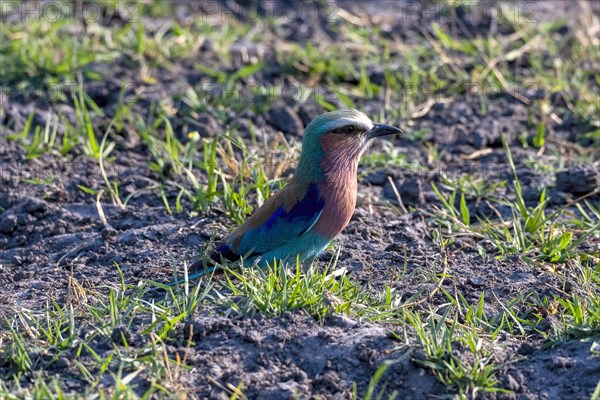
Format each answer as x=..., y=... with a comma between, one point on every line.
x=469, y=371
x=535, y=232
x=46, y=57
x=135, y=329
x=120, y=337
x=38, y=140
x=321, y=293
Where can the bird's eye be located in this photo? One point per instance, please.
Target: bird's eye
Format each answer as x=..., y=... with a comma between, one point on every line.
x=349, y=129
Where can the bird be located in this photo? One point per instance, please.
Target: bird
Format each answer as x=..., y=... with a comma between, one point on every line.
x=300, y=220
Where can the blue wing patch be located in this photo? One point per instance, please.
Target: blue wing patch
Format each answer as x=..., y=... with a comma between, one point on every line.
x=283, y=226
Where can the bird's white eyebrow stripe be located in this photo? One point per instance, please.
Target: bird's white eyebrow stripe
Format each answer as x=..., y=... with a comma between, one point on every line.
x=362, y=122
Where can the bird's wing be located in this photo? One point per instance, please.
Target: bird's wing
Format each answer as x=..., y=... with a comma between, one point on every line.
x=282, y=218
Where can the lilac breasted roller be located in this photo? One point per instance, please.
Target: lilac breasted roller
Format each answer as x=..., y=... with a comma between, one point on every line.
x=316, y=204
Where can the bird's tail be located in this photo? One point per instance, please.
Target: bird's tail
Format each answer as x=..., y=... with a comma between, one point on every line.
x=199, y=269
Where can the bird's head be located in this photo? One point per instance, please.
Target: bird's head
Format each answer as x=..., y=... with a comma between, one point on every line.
x=337, y=139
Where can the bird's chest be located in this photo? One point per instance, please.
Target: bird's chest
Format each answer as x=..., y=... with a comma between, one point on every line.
x=340, y=202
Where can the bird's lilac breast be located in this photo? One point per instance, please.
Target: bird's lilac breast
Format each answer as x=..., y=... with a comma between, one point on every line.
x=339, y=186
x=340, y=202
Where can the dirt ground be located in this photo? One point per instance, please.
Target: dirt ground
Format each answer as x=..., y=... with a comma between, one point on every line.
x=50, y=232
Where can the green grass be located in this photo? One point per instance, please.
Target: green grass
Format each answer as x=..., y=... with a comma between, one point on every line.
x=41, y=338
x=467, y=375
x=459, y=354
x=54, y=62
x=534, y=232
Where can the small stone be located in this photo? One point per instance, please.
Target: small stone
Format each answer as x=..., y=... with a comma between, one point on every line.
x=395, y=247
x=34, y=205
x=62, y=363
x=201, y=327
x=323, y=334
x=476, y=281
x=341, y=321
x=376, y=178
x=208, y=45
x=284, y=119
x=109, y=233
x=479, y=139
x=329, y=378
x=376, y=74
x=578, y=180
x=252, y=336
x=8, y=224
x=101, y=94
x=38, y=285
x=411, y=192
x=419, y=355
x=309, y=111
x=526, y=349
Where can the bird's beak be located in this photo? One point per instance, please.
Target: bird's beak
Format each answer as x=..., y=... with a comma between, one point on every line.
x=383, y=130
